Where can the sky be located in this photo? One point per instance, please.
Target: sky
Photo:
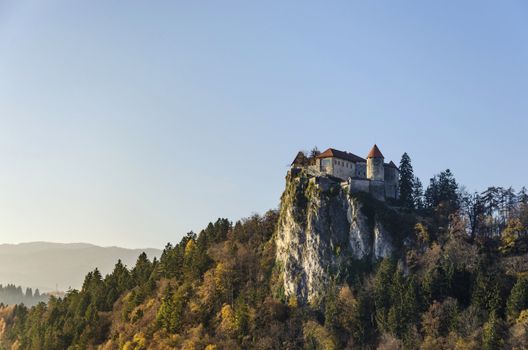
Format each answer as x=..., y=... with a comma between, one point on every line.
x=132, y=123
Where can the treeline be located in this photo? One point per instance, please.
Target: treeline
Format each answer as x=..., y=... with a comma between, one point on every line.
x=11, y=294
x=225, y=269
x=496, y=212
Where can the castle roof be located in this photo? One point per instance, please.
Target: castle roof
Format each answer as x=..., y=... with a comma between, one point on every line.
x=341, y=155
x=299, y=158
x=375, y=153
x=392, y=165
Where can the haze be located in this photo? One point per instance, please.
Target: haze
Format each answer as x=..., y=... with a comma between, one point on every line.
x=133, y=123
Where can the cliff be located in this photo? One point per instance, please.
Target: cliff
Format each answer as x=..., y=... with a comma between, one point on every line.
x=323, y=229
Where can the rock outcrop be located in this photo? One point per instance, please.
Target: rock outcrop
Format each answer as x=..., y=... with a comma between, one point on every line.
x=322, y=229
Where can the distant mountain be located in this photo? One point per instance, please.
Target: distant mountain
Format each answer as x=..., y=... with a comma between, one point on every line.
x=48, y=266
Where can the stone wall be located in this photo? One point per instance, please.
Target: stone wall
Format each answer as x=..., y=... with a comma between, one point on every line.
x=391, y=182
x=340, y=168
x=375, y=169
x=359, y=185
x=377, y=189
x=361, y=170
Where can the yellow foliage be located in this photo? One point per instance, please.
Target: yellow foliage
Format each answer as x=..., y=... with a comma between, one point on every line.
x=211, y=347
x=207, y=291
x=150, y=303
x=466, y=344
x=2, y=327
x=509, y=236
x=139, y=338
x=190, y=344
x=346, y=296
x=190, y=247
x=228, y=324
x=194, y=306
x=431, y=343
x=139, y=342
x=315, y=332
x=292, y=302
x=523, y=317
x=223, y=277
x=16, y=345
x=421, y=233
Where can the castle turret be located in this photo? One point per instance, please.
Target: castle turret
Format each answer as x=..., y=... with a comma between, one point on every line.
x=375, y=168
x=376, y=173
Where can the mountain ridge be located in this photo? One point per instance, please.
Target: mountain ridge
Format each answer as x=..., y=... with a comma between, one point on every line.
x=52, y=265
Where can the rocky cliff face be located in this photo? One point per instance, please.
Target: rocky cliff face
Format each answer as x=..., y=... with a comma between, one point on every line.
x=323, y=229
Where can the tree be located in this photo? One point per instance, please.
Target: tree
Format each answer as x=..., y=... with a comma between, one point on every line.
x=522, y=196
x=486, y=291
x=418, y=194
x=443, y=189
x=436, y=284
x=362, y=328
x=141, y=272
x=314, y=152
x=518, y=299
x=406, y=182
x=382, y=299
x=473, y=207
x=164, y=316
x=510, y=235
x=440, y=318
x=491, y=337
x=404, y=304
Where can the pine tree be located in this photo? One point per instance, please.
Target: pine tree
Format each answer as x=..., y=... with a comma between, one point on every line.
x=406, y=182
x=522, y=196
x=363, y=328
x=518, y=299
x=443, y=189
x=418, y=194
x=141, y=272
x=382, y=299
x=314, y=152
x=486, y=293
x=491, y=339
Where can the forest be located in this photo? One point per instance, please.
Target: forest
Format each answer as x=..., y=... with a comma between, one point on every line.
x=459, y=282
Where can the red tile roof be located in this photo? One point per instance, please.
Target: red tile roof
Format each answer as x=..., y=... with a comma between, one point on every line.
x=341, y=155
x=375, y=153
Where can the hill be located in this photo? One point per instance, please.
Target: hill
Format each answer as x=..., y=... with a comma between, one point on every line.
x=330, y=269
x=46, y=265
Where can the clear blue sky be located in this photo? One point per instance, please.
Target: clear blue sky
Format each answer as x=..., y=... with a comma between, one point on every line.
x=131, y=123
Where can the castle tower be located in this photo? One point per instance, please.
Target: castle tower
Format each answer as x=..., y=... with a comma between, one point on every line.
x=375, y=168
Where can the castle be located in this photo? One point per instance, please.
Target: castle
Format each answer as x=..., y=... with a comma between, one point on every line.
x=370, y=175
